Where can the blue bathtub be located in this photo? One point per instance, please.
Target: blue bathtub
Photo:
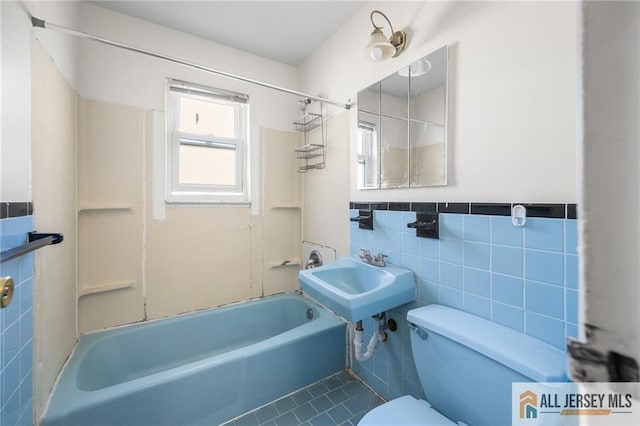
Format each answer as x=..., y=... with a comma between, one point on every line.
x=198, y=369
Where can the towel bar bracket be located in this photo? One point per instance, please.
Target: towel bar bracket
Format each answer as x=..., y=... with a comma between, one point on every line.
x=364, y=219
x=426, y=225
x=35, y=236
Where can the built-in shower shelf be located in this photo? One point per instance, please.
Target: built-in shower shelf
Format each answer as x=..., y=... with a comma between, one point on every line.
x=285, y=263
x=105, y=288
x=103, y=207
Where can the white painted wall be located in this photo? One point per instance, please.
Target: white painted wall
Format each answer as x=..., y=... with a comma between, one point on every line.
x=512, y=119
x=62, y=48
x=15, y=138
x=610, y=202
x=113, y=75
x=512, y=92
x=430, y=106
x=325, y=201
x=1, y=102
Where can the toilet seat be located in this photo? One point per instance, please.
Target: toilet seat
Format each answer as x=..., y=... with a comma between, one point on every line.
x=405, y=411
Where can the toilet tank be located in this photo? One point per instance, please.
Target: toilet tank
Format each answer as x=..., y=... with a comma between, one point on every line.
x=466, y=364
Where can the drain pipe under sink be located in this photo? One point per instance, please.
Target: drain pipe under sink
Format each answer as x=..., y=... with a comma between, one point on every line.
x=379, y=336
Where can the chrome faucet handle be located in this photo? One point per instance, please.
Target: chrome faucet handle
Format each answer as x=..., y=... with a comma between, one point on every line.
x=378, y=259
x=364, y=254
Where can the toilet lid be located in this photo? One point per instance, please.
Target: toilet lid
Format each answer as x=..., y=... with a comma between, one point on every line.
x=405, y=411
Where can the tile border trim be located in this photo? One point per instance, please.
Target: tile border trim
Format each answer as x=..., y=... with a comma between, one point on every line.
x=10, y=209
x=546, y=210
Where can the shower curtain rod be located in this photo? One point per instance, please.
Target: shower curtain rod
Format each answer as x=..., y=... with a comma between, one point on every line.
x=40, y=23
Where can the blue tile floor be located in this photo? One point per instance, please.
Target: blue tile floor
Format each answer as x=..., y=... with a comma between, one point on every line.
x=340, y=399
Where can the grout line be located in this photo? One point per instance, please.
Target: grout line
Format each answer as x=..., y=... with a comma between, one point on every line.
x=524, y=284
x=230, y=421
x=491, y=302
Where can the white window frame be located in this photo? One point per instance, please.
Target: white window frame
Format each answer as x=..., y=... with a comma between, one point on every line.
x=368, y=158
x=177, y=193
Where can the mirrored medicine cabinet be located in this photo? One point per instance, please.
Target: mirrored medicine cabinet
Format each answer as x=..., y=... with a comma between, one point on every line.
x=402, y=127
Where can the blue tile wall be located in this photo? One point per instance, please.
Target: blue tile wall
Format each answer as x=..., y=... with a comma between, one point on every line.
x=16, y=329
x=523, y=278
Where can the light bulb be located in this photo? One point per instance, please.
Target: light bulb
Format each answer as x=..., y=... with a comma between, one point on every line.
x=376, y=53
x=379, y=48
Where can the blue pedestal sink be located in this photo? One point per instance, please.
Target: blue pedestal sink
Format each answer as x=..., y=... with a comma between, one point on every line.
x=355, y=290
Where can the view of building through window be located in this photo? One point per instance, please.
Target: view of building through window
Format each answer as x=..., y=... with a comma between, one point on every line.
x=207, y=165
x=208, y=140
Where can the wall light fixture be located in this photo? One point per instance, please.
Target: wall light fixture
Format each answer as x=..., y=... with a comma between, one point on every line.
x=380, y=48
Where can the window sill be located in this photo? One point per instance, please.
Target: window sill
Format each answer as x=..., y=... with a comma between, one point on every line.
x=174, y=203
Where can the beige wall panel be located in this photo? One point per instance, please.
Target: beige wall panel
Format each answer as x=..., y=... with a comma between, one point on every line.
x=110, y=256
x=109, y=309
x=110, y=225
x=282, y=211
x=110, y=153
x=110, y=242
x=257, y=253
x=282, y=243
x=54, y=144
x=197, y=258
x=201, y=256
x=282, y=184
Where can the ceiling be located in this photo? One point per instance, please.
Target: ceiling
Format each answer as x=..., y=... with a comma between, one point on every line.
x=284, y=31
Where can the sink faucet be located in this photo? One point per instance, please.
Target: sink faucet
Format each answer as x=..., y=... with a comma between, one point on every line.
x=377, y=260
x=365, y=256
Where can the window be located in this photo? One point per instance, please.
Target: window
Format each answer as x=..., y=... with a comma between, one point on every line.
x=207, y=145
x=367, y=168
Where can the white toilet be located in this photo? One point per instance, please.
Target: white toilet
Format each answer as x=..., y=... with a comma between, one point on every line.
x=466, y=365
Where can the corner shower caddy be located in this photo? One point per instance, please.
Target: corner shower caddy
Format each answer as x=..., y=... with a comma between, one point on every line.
x=311, y=155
